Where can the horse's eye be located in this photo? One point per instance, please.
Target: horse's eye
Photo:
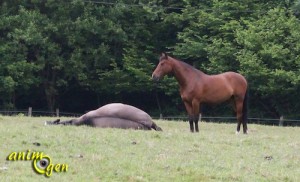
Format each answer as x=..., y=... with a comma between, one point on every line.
x=162, y=64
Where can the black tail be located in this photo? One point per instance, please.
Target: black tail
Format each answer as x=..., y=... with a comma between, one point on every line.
x=245, y=108
x=155, y=127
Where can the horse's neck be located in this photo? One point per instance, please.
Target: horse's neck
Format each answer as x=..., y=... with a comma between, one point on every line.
x=179, y=71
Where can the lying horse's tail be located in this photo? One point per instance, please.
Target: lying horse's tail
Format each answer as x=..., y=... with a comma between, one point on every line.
x=155, y=127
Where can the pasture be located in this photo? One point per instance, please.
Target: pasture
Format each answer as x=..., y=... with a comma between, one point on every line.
x=267, y=153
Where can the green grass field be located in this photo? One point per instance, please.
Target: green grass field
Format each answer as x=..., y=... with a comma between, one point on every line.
x=267, y=153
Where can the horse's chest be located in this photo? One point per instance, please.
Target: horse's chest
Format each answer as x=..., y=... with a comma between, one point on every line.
x=185, y=95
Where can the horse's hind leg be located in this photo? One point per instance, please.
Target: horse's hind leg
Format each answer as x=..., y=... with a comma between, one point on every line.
x=245, y=129
x=232, y=103
x=238, y=127
x=239, y=113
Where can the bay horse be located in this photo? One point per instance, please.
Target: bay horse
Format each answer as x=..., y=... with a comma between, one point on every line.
x=197, y=87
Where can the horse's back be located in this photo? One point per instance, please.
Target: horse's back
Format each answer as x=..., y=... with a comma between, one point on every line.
x=213, y=89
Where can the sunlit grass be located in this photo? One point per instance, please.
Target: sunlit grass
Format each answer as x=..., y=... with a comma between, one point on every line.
x=267, y=153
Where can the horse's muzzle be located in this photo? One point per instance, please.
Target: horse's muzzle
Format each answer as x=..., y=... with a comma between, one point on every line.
x=155, y=78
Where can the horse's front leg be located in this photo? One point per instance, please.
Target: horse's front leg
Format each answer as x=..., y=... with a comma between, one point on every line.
x=196, y=120
x=190, y=114
x=191, y=121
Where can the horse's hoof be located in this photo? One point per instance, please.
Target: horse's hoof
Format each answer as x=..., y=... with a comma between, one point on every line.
x=237, y=132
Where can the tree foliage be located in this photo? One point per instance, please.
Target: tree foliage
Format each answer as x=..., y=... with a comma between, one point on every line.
x=52, y=49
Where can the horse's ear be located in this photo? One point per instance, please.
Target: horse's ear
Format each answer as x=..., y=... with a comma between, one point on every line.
x=164, y=55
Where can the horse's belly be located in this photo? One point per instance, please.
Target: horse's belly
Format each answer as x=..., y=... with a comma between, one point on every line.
x=216, y=100
x=113, y=122
x=218, y=96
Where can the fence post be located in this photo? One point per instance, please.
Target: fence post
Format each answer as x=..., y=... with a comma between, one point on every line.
x=30, y=111
x=160, y=116
x=57, y=112
x=281, y=120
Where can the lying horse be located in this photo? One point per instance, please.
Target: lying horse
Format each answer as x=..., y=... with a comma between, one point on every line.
x=115, y=115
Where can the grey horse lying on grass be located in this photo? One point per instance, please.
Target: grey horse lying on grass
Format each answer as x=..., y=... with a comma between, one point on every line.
x=115, y=115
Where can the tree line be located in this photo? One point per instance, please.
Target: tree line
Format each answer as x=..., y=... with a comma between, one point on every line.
x=77, y=55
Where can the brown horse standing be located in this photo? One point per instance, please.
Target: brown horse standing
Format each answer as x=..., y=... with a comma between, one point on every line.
x=197, y=87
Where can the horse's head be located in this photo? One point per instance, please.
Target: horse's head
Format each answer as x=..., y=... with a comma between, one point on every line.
x=164, y=67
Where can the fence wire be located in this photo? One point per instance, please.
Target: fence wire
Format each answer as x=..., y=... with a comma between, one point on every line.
x=216, y=119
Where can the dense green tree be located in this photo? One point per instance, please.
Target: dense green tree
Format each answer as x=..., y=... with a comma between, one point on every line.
x=51, y=51
x=269, y=57
x=20, y=36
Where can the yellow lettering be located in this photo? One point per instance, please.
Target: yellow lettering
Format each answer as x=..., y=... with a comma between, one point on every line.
x=57, y=168
x=27, y=156
x=49, y=170
x=37, y=155
x=12, y=156
x=64, y=167
x=21, y=156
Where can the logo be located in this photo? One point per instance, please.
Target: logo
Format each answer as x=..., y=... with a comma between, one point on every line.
x=41, y=163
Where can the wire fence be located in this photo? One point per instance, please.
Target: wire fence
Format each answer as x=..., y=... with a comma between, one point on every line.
x=252, y=120
x=37, y=113
x=218, y=119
